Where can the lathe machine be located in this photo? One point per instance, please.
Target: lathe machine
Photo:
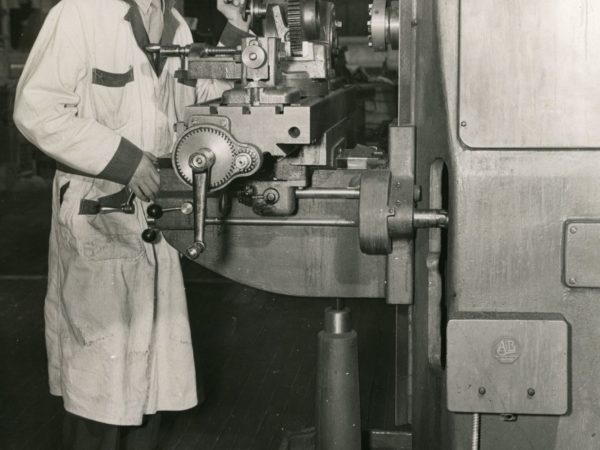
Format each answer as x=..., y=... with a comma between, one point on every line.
x=497, y=317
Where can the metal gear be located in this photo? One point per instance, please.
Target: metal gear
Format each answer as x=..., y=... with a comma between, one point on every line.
x=303, y=23
x=383, y=26
x=232, y=159
x=294, y=23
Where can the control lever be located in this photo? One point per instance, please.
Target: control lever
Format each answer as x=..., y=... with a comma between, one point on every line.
x=119, y=202
x=127, y=207
x=156, y=211
x=201, y=163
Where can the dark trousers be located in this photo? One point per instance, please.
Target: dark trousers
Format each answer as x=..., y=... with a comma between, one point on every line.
x=84, y=434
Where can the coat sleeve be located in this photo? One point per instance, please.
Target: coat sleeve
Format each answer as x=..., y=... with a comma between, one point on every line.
x=48, y=99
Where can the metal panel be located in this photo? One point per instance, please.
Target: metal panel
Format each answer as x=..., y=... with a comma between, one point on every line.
x=508, y=363
x=529, y=73
x=582, y=254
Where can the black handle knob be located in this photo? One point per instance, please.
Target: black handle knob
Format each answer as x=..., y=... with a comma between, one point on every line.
x=155, y=211
x=149, y=235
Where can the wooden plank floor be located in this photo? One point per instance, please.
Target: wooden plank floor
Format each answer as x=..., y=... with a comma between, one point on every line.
x=256, y=353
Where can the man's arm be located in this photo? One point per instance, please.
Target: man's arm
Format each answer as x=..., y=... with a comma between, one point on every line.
x=47, y=102
x=235, y=30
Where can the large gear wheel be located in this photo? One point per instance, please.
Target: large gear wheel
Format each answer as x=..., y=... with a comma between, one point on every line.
x=232, y=159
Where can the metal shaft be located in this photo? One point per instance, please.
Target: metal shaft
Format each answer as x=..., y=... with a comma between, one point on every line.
x=328, y=193
x=338, y=399
x=430, y=218
x=285, y=222
x=475, y=435
x=210, y=51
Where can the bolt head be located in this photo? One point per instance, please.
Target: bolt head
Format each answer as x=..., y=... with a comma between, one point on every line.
x=197, y=161
x=242, y=161
x=572, y=281
x=573, y=229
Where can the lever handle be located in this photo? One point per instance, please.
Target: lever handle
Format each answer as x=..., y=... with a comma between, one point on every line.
x=128, y=207
x=149, y=235
x=201, y=163
x=156, y=211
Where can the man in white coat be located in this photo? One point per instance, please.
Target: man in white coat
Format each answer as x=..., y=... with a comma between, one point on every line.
x=117, y=330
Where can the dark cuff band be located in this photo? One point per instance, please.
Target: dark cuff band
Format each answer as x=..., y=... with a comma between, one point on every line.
x=231, y=36
x=123, y=164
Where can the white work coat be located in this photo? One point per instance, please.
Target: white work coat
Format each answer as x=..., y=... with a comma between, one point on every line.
x=117, y=329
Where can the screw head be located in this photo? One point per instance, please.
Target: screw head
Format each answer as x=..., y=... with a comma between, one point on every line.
x=530, y=392
x=481, y=390
x=573, y=229
x=572, y=281
x=463, y=124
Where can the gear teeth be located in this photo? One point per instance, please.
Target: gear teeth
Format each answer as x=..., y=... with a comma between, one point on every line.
x=182, y=153
x=294, y=22
x=181, y=169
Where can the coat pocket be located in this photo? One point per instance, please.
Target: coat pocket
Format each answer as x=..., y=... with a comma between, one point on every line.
x=107, y=247
x=110, y=79
x=111, y=96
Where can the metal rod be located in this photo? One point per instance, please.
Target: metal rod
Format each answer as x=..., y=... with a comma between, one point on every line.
x=285, y=222
x=328, y=193
x=430, y=218
x=221, y=51
x=475, y=436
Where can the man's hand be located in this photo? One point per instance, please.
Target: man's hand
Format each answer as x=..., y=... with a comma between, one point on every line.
x=145, y=181
x=232, y=10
